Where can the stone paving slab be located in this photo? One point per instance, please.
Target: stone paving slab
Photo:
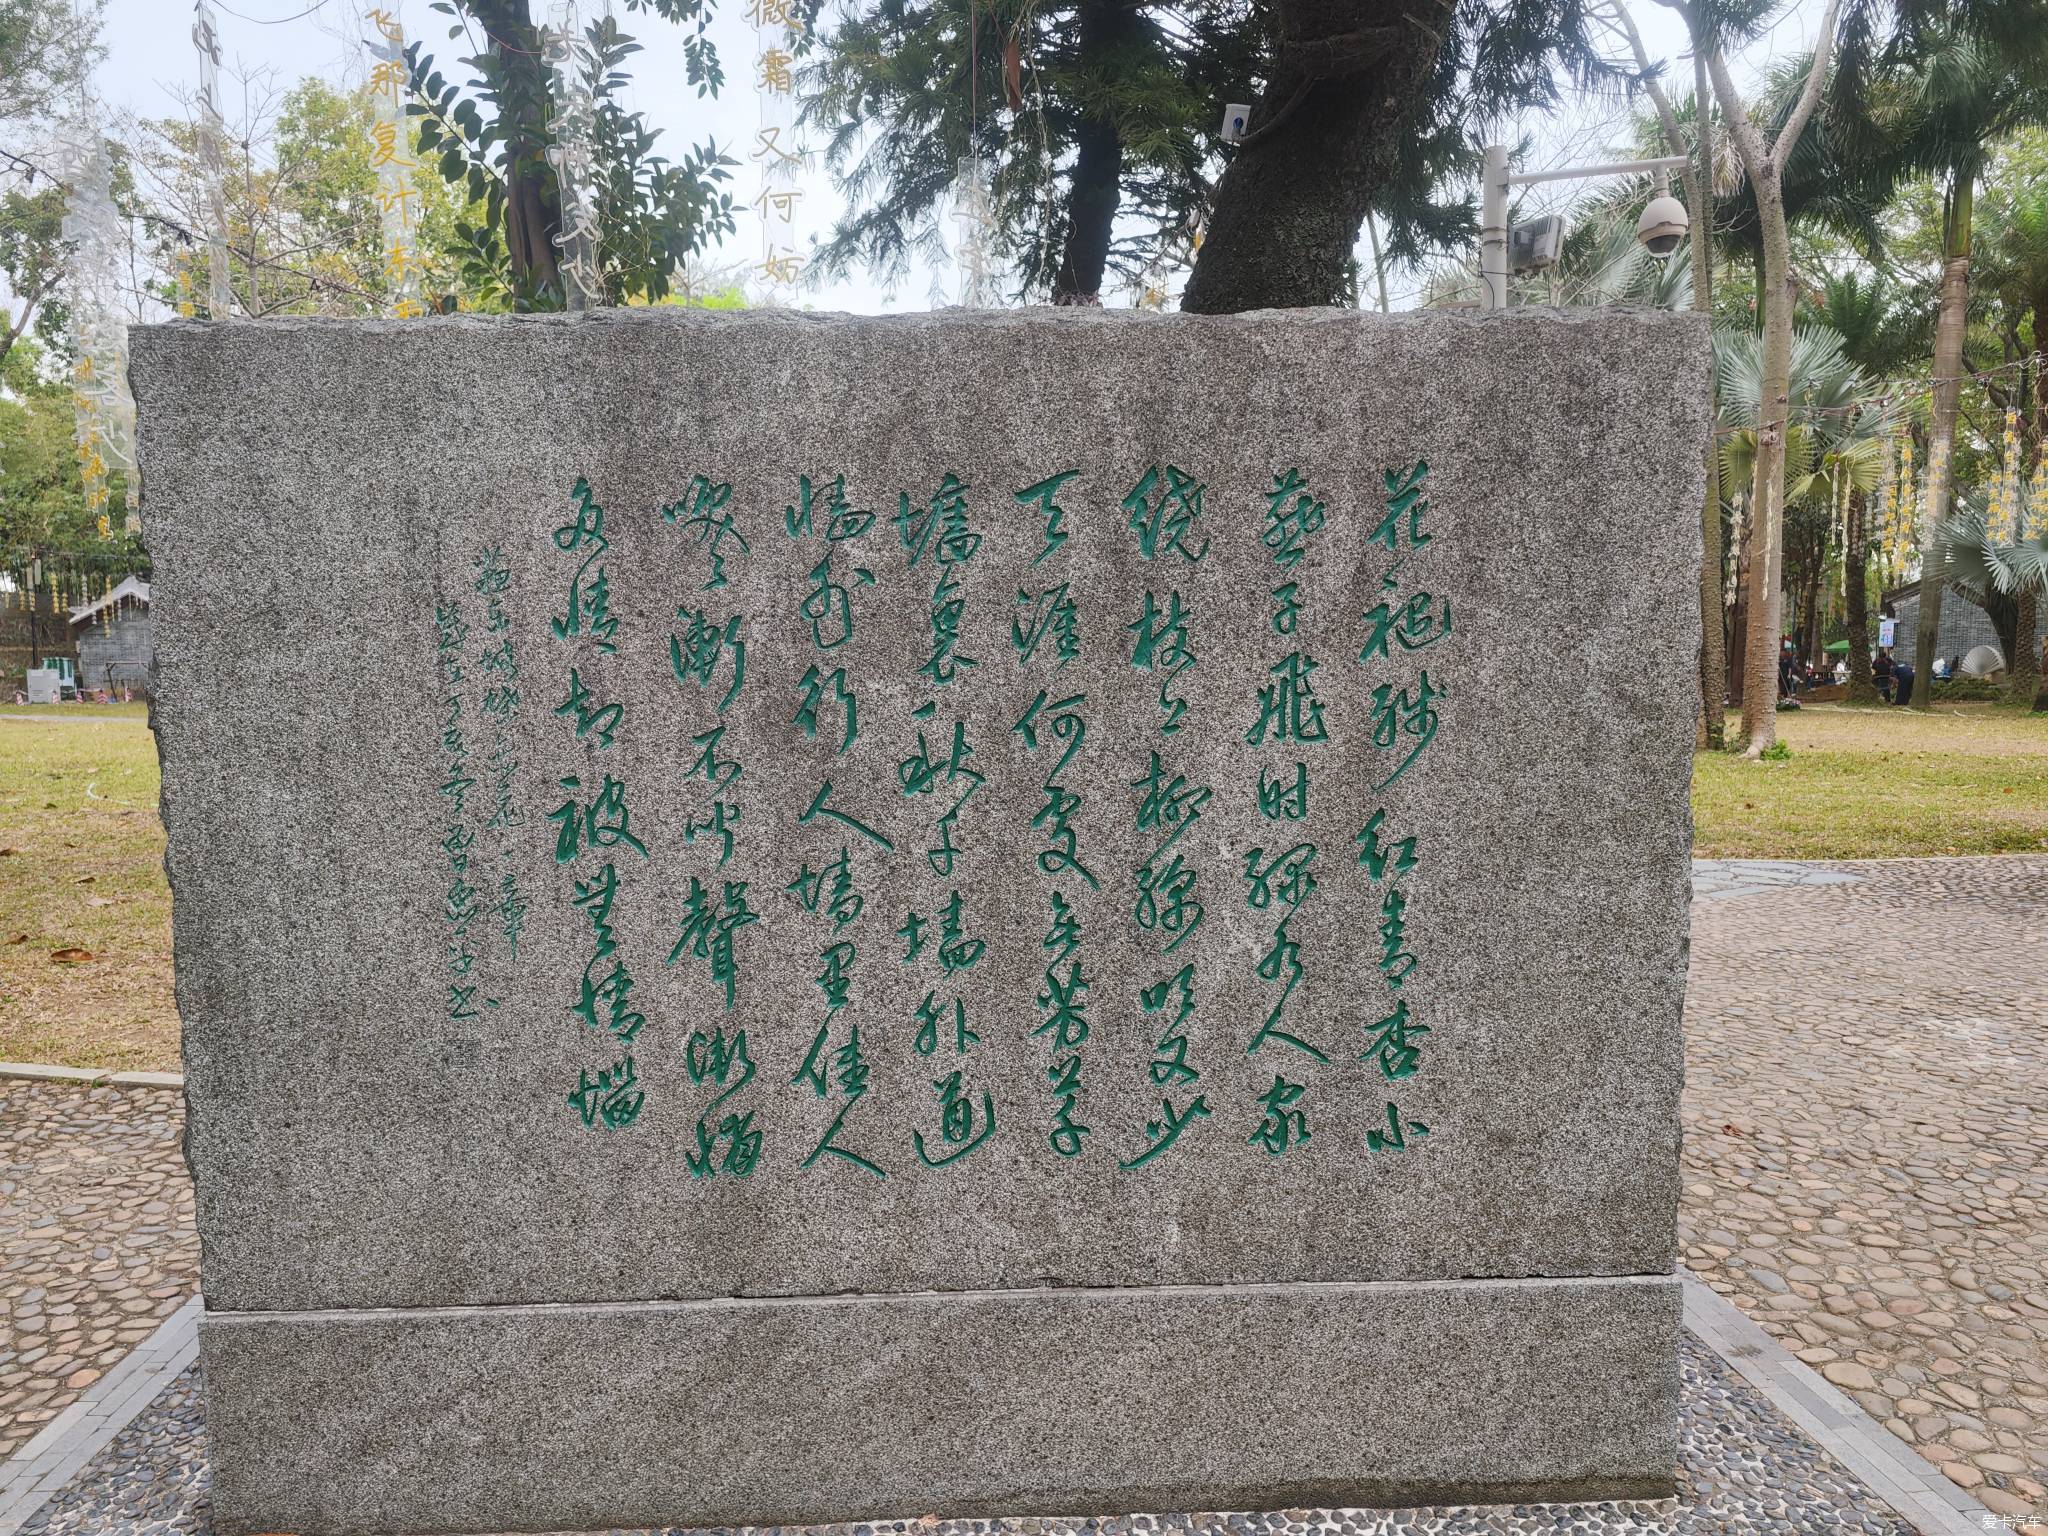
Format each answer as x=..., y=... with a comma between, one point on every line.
x=1743, y=1468
x=1866, y=1153
x=1719, y=879
x=96, y=1239
x=65, y=1445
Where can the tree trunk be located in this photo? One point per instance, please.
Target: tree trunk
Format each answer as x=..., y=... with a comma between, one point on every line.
x=1738, y=638
x=1326, y=134
x=1856, y=596
x=1096, y=189
x=1950, y=323
x=1379, y=262
x=533, y=214
x=1766, y=564
x=2023, y=673
x=1699, y=193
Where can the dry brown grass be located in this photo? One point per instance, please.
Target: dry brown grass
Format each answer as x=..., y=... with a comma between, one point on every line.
x=1880, y=783
x=81, y=868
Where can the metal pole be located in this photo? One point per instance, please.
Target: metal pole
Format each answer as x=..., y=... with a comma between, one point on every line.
x=1616, y=168
x=1493, y=229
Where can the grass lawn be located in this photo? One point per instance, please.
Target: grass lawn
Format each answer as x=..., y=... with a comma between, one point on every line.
x=1880, y=783
x=81, y=869
x=81, y=851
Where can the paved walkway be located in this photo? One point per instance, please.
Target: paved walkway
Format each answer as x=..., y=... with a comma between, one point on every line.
x=96, y=1241
x=1867, y=1144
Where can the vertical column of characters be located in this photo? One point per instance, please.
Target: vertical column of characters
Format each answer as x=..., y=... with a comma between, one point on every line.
x=390, y=77
x=941, y=771
x=1048, y=633
x=498, y=663
x=779, y=27
x=828, y=708
x=1407, y=619
x=1162, y=509
x=1290, y=718
x=707, y=658
x=593, y=821
x=460, y=906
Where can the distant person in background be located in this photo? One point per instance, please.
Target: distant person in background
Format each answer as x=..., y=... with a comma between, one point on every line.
x=1902, y=682
x=1788, y=669
x=1881, y=674
x=1842, y=670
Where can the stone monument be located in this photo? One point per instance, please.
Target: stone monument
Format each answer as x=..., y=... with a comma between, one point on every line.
x=784, y=918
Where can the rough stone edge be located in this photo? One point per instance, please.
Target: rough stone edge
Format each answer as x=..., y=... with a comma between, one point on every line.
x=98, y=1077
x=1892, y=1470
x=184, y=332
x=63, y=1447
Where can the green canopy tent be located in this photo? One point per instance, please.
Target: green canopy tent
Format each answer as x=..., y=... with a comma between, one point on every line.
x=1836, y=647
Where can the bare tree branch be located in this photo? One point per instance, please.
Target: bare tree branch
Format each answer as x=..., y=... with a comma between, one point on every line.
x=1816, y=78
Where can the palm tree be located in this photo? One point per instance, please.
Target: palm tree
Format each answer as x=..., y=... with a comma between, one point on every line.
x=1943, y=89
x=1882, y=333
x=2015, y=275
x=1833, y=443
x=2008, y=581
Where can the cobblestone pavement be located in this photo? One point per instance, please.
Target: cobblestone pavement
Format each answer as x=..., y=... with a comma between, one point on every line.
x=1867, y=1146
x=96, y=1239
x=1742, y=1468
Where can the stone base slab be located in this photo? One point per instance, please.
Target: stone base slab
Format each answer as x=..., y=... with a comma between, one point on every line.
x=803, y=1410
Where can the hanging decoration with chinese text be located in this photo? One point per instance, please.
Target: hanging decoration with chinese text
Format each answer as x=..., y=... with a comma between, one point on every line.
x=776, y=152
x=212, y=132
x=973, y=213
x=571, y=68
x=390, y=158
x=95, y=233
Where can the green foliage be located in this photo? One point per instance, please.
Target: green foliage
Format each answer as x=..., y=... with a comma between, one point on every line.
x=304, y=225
x=47, y=50
x=32, y=258
x=488, y=138
x=1777, y=752
x=732, y=298
x=1882, y=331
x=42, y=503
x=905, y=89
x=1836, y=416
x=1984, y=568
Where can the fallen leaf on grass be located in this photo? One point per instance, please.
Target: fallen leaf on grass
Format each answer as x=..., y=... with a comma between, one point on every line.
x=8, y=853
x=19, y=938
x=85, y=880
x=71, y=956
x=99, y=901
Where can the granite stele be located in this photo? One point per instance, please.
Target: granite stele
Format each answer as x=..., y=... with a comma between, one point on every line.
x=784, y=918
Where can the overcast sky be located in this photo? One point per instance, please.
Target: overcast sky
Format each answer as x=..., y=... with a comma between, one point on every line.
x=150, y=70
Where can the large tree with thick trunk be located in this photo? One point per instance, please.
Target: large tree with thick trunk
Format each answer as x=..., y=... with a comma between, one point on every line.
x=1363, y=108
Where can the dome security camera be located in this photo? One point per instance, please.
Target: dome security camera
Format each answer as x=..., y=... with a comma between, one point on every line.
x=1662, y=226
